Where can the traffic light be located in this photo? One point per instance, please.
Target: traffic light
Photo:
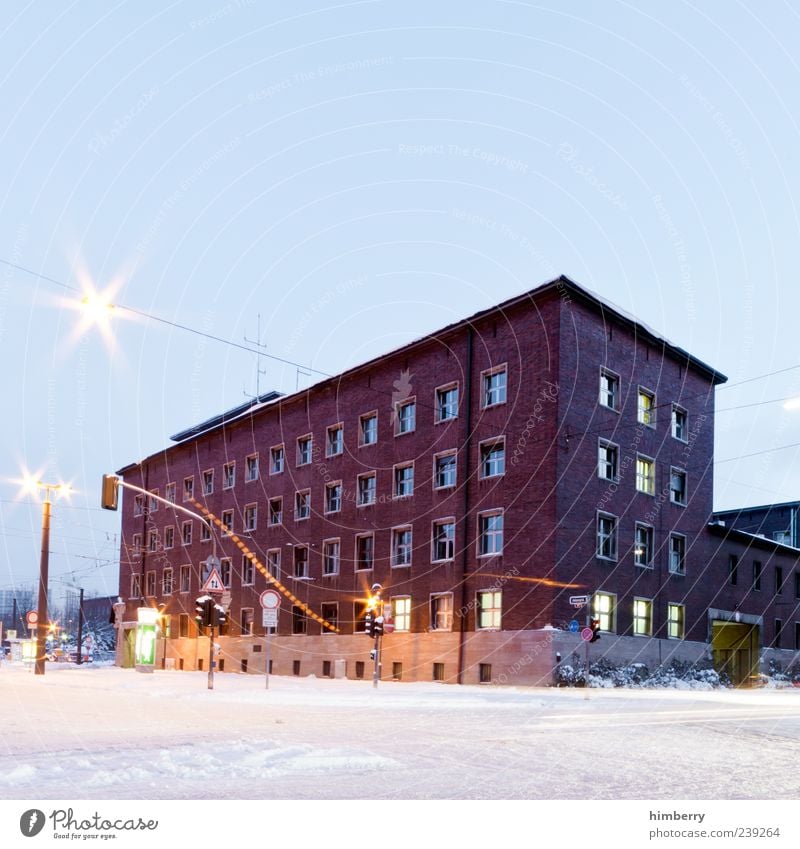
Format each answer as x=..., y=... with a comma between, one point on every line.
x=108, y=499
x=204, y=607
x=369, y=624
x=221, y=617
x=595, y=626
x=377, y=626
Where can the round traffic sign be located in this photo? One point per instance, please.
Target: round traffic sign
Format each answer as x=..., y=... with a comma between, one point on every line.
x=270, y=600
x=32, y=617
x=587, y=634
x=574, y=626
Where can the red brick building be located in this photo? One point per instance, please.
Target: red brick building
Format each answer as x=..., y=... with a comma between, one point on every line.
x=547, y=447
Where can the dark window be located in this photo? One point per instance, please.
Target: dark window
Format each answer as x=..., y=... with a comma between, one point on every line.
x=778, y=580
x=299, y=622
x=330, y=613
x=364, y=552
x=438, y=672
x=757, y=569
x=485, y=672
x=244, y=664
x=778, y=629
x=397, y=671
x=183, y=625
x=359, y=669
x=797, y=636
x=797, y=584
x=733, y=570
x=326, y=669
x=295, y=667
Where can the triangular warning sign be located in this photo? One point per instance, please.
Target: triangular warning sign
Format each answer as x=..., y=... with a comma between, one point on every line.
x=213, y=583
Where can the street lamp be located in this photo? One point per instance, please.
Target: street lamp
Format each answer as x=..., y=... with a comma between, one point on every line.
x=44, y=566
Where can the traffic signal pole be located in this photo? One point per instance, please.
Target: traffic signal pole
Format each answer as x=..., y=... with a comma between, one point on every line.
x=211, y=658
x=376, y=672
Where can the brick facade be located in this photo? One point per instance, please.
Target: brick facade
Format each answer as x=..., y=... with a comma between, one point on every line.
x=527, y=375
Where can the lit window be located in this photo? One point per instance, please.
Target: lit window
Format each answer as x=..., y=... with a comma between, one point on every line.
x=251, y=468
x=330, y=557
x=276, y=460
x=645, y=475
x=676, y=617
x=442, y=612
x=404, y=480
x=680, y=423
x=642, y=617
x=364, y=551
x=304, y=449
x=607, y=536
x=228, y=475
x=493, y=458
x=494, y=387
x=490, y=533
x=643, y=546
x=604, y=608
x=444, y=474
x=208, y=482
x=607, y=460
x=302, y=504
x=300, y=561
x=677, y=487
x=646, y=408
x=401, y=613
x=333, y=497
x=367, y=484
x=401, y=547
x=335, y=440
x=369, y=429
x=446, y=403
x=444, y=536
x=609, y=389
x=489, y=609
x=250, y=517
x=677, y=554
x=275, y=511
x=406, y=416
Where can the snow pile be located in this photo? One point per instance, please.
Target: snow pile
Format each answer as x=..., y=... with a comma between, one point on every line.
x=677, y=675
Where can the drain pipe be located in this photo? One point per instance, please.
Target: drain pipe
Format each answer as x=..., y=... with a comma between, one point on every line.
x=467, y=447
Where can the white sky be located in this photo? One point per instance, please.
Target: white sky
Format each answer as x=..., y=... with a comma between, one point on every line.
x=359, y=175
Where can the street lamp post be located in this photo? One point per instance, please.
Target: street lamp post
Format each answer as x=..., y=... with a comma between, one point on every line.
x=44, y=568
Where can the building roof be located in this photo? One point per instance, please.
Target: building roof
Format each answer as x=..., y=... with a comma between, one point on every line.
x=721, y=530
x=559, y=287
x=736, y=510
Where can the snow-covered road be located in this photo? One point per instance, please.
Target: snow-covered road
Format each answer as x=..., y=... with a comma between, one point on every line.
x=107, y=733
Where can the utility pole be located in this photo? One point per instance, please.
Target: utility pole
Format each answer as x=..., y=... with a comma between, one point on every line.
x=80, y=625
x=44, y=569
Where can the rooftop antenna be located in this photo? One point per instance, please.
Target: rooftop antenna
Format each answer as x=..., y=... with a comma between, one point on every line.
x=259, y=371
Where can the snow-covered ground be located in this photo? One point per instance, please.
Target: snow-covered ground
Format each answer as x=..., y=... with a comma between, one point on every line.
x=107, y=733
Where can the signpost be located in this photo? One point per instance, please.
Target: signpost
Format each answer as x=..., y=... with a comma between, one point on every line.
x=270, y=605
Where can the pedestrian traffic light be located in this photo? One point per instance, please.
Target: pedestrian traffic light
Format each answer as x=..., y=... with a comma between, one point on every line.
x=221, y=617
x=108, y=499
x=377, y=626
x=595, y=626
x=369, y=624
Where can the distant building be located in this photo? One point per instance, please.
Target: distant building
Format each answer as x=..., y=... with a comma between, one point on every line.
x=778, y=522
x=547, y=448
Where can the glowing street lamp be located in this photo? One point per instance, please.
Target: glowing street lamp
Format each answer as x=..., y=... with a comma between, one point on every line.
x=50, y=489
